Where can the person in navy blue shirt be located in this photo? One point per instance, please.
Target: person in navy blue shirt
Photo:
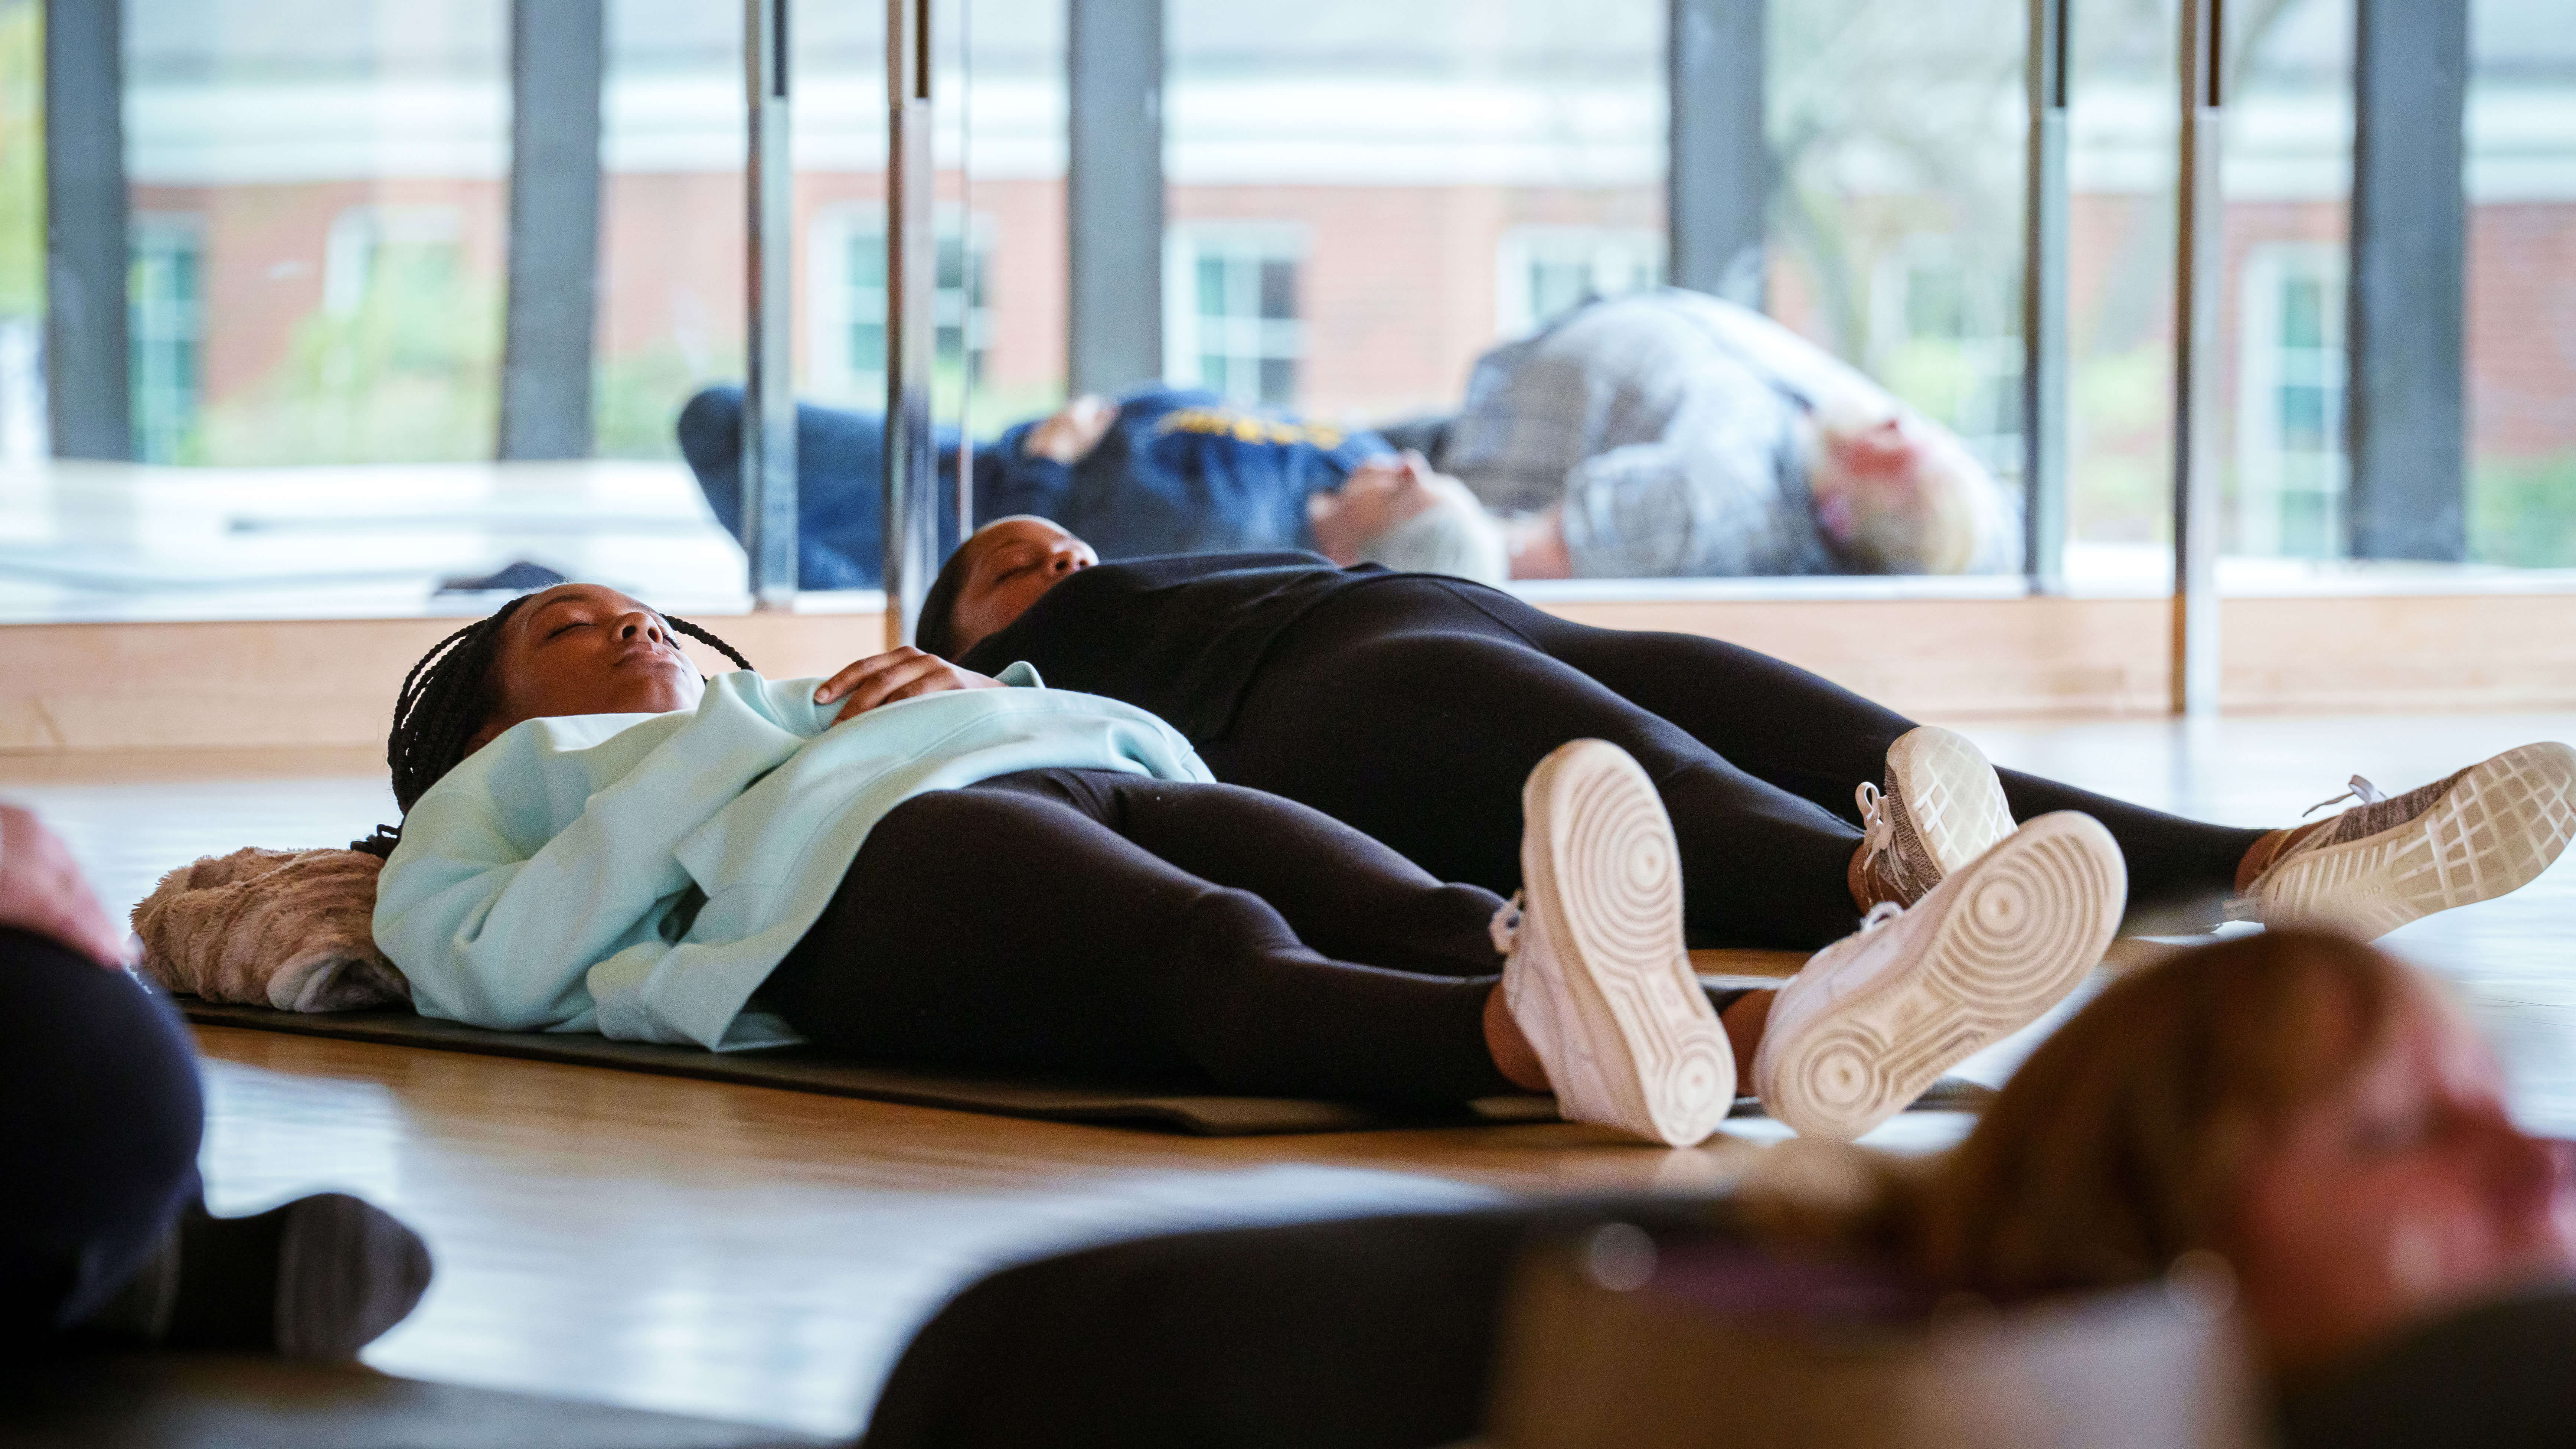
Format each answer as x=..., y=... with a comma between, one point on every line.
x=1158, y=471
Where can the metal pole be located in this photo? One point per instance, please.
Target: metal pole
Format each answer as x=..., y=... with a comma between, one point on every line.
x=1717, y=182
x=85, y=231
x=557, y=55
x=2198, y=280
x=912, y=275
x=2406, y=402
x=769, y=381
x=2044, y=364
x=969, y=281
x=1114, y=193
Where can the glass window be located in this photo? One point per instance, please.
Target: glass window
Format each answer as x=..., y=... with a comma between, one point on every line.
x=671, y=293
x=1237, y=327
x=1544, y=272
x=1395, y=151
x=2122, y=155
x=2290, y=471
x=1000, y=147
x=22, y=231
x=165, y=331
x=1003, y=132
x=344, y=167
x=1896, y=242
x=2522, y=282
x=1949, y=341
x=847, y=295
x=2284, y=474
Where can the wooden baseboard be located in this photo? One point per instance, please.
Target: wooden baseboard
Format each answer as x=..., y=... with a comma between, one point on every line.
x=330, y=684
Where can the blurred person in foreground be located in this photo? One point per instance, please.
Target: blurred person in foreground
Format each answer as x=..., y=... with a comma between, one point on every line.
x=105, y=1241
x=2293, y=1115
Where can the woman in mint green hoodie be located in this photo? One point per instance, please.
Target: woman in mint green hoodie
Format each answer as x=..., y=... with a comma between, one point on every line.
x=947, y=869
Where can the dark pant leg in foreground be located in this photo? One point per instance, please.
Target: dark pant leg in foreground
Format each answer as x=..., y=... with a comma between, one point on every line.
x=1382, y=1332
x=99, y=1121
x=1364, y=1333
x=1089, y=921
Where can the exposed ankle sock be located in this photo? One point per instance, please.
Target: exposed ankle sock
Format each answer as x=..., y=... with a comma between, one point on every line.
x=2261, y=855
x=1744, y=1019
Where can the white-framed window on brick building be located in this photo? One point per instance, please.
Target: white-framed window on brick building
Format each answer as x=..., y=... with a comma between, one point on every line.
x=2291, y=473
x=399, y=259
x=1543, y=272
x=1232, y=318
x=1945, y=335
x=165, y=331
x=846, y=298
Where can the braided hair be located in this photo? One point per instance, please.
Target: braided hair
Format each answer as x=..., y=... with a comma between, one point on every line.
x=447, y=697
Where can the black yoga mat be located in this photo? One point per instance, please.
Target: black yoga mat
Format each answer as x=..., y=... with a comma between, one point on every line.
x=219, y=1401
x=1181, y=1108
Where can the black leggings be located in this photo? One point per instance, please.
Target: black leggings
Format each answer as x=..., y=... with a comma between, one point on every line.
x=1091, y=921
x=1412, y=710
x=99, y=1119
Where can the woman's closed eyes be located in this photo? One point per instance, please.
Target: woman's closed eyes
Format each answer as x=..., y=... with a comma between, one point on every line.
x=584, y=621
x=1031, y=560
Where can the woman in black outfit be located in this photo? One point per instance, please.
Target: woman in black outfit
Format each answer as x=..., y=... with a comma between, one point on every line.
x=1412, y=705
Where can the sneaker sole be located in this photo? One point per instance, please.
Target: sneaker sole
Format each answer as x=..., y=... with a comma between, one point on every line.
x=1610, y=870
x=2491, y=833
x=1948, y=792
x=2015, y=931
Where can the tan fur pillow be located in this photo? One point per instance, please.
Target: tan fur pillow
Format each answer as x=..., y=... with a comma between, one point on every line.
x=292, y=929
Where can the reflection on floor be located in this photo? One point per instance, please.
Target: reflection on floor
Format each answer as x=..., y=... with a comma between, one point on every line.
x=760, y=1255
x=82, y=541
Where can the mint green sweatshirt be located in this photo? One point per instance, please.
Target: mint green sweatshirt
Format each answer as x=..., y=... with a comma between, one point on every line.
x=640, y=875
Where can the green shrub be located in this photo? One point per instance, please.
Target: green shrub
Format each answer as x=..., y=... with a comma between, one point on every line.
x=2522, y=512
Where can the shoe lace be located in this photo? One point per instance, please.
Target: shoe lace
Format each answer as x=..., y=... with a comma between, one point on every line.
x=1879, y=915
x=2362, y=790
x=2249, y=907
x=1505, y=927
x=1878, y=836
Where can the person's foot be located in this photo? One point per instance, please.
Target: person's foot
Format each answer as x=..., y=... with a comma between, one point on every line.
x=1942, y=808
x=318, y=1278
x=2490, y=829
x=1598, y=979
x=1878, y=1016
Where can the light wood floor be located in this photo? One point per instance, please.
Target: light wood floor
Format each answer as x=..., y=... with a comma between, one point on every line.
x=761, y=1255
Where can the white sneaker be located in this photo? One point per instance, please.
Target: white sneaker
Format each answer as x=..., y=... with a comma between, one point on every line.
x=1878, y=1016
x=2490, y=829
x=1598, y=978
x=1942, y=808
